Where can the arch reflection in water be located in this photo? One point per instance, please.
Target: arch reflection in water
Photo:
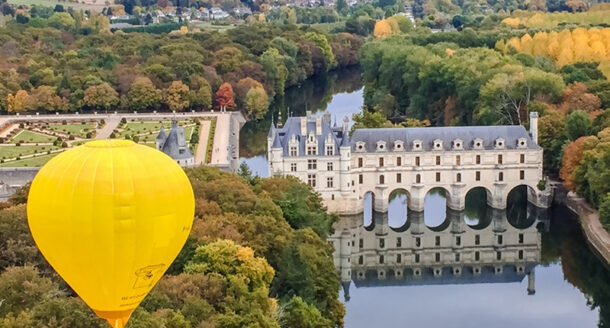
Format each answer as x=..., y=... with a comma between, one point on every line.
x=398, y=209
x=435, y=207
x=453, y=253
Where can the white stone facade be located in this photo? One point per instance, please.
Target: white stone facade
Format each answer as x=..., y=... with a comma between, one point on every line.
x=378, y=161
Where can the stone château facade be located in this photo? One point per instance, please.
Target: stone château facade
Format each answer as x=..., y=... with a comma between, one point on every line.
x=344, y=169
x=175, y=146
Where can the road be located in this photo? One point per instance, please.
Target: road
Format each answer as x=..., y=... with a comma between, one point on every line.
x=202, y=146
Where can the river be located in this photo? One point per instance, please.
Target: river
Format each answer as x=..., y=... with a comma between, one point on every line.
x=444, y=268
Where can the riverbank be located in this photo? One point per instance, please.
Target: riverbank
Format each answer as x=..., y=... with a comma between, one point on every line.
x=597, y=237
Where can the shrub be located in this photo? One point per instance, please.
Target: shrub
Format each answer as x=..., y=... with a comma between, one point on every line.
x=604, y=212
x=542, y=185
x=64, y=122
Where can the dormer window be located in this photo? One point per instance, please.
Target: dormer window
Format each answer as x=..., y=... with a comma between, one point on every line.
x=381, y=145
x=398, y=145
x=359, y=146
x=499, y=143
x=522, y=143
x=477, y=143
x=417, y=145
x=438, y=144
x=458, y=144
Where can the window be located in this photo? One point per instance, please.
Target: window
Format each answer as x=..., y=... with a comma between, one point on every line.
x=500, y=239
x=361, y=243
x=416, y=160
x=522, y=175
x=500, y=159
x=329, y=182
x=398, y=242
x=522, y=158
x=380, y=161
x=417, y=241
x=458, y=160
x=293, y=151
x=418, y=178
x=457, y=257
x=438, y=176
x=437, y=257
x=330, y=150
x=520, y=238
x=398, y=178
x=381, y=259
x=458, y=177
x=498, y=255
x=329, y=166
x=437, y=240
x=359, y=161
x=311, y=150
x=477, y=176
x=361, y=259
x=398, y=161
x=521, y=254
x=381, y=242
x=501, y=176
x=398, y=258
x=438, y=160
x=477, y=239
x=477, y=256
x=311, y=180
x=381, y=179
x=458, y=240
x=312, y=164
x=416, y=258
x=293, y=167
x=360, y=178
x=477, y=159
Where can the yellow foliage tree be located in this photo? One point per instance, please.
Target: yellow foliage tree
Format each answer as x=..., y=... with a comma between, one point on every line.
x=382, y=29
x=17, y=103
x=512, y=22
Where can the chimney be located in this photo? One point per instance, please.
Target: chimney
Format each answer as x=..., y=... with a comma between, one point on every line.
x=318, y=126
x=534, y=126
x=326, y=117
x=303, y=126
x=531, y=282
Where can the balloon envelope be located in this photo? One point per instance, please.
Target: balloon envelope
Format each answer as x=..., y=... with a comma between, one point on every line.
x=110, y=217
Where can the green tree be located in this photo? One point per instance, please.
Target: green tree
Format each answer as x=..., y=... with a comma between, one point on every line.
x=178, y=96
x=143, y=95
x=62, y=21
x=256, y=102
x=101, y=97
x=202, y=97
x=369, y=120
x=296, y=313
x=21, y=288
x=604, y=211
x=275, y=69
x=322, y=42
x=578, y=124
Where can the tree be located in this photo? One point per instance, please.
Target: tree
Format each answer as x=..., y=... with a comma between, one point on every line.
x=256, y=102
x=17, y=103
x=572, y=157
x=367, y=119
x=382, y=29
x=224, y=96
x=578, y=124
x=576, y=97
x=21, y=288
x=341, y=6
x=202, y=97
x=44, y=98
x=143, y=95
x=100, y=97
x=62, y=21
x=178, y=96
x=296, y=313
x=604, y=212
x=275, y=70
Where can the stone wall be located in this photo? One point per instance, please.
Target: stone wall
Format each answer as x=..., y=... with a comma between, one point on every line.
x=13, y=178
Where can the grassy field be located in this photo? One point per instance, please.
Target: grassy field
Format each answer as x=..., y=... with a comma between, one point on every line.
x=31, y=137
x=78, y=129
x=143, y=129
x=15, y=151
x=29, y=162
x=80, y=142
x=51, y=3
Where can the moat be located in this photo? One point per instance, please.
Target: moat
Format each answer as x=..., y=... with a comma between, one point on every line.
x=401, y=267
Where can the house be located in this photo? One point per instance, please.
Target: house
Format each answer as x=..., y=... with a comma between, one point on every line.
x=175, y=146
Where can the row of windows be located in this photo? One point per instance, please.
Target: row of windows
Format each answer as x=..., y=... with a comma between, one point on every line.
x=312, y=150
x=311, y=181
x=437, y=257
x=312, y=164
x=437, y=177
x=437, y=241
x=458, y=160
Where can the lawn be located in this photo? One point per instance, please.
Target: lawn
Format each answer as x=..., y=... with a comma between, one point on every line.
x=31, y=137
x=29, y=162
x=78, y=129
x=51, y=3
x=143, y=129
x=15, y=151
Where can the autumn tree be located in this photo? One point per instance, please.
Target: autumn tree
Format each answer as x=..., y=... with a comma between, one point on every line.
x=224, y=96
x=17, y=103
x=178, y=96
x=256, y=102
x=382, y=29
x=576, y=97
x=44, y=98
x=572, y=157
x=100, y=97
x=143, y=95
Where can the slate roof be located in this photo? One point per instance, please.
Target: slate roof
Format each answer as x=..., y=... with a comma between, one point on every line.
x=510, y=133
x=292, y=126
x=174, y=144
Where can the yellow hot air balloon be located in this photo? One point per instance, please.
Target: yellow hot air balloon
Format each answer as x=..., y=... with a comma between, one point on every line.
x=110, y=217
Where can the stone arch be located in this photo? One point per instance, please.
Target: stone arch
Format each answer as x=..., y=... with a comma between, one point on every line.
x=476, y=207
x=398, y=208
x=435, y=206
x=518, y=209
x=368, y=208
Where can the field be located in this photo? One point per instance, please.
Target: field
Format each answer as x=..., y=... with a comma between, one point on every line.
x=51, y=3
x=29, y=162
x=15, y=151
x=78, y=129
x=31, y=137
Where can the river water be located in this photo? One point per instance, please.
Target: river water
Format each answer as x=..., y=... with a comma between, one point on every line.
x=520, y=267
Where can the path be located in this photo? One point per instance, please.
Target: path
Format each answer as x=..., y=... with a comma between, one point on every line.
x=106, y=130
x=202, y=146
x=596, y=235
x=221, y=140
